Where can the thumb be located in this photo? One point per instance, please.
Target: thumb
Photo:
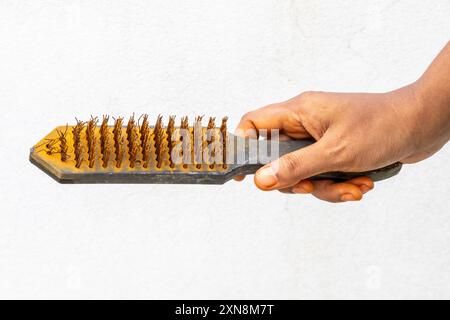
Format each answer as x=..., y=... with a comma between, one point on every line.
x=293, y=167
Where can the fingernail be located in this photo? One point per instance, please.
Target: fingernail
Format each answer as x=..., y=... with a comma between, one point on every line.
x=347, y=197
x=364, y=188
x=266, y=178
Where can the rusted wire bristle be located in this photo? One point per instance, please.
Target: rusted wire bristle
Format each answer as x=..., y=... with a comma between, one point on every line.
x=105, y=147
x=145, y=133
x=133, y=141
x=49, y=145
x=159, y=141
x=78, y=148
x=198, y=142
x=63, y=147
x=91, y=140
x=119, y=141
x=211, y=138
x=223, y=135
x=170, y=136
x=185, y=142
x=130, y=128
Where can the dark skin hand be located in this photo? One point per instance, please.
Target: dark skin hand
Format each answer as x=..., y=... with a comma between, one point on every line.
x=354, y=132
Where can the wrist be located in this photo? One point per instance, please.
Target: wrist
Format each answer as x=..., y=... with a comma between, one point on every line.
x=432, y=113
x=405, y=108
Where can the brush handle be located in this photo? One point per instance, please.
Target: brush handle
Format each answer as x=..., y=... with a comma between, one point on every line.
x=289, y=146
x=375, y=175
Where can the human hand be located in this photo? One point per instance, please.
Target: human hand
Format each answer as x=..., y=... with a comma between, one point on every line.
x=355, y=132
x=334, y=120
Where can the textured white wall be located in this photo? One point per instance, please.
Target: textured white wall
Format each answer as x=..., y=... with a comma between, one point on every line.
x=61, y=59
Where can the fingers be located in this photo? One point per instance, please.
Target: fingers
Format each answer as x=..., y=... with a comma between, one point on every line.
x=351, y=190
x=293, y=167
x=302, y=187
x=331, y=191
x=269, y=117
x=239, y=178
x=275, y=116
x=327, y=190
x=279, y=116
x=365, y=184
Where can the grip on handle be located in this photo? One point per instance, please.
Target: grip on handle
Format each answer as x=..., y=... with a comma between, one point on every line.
x=376, y=175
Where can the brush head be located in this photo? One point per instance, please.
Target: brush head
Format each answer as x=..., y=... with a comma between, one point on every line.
x=97, y=151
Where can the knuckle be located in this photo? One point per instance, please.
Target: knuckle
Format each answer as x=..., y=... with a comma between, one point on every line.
x=309, y=105
x=290, y=164
x=248, y=115
x=308, y=96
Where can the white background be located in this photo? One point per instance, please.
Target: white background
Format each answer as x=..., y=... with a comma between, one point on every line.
x=61, y=59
